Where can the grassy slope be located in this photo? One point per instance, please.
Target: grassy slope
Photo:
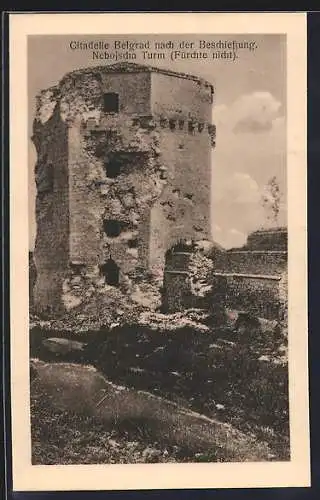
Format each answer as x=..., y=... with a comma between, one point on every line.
x=64, y=437
x=241, y=383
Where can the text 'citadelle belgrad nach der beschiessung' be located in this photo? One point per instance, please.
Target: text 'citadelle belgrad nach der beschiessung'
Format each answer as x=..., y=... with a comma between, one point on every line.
x=127, y=50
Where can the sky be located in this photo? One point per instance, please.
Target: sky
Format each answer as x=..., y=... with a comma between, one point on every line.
x=249, y=112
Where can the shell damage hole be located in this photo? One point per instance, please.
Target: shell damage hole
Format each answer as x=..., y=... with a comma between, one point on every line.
x=112, y=168
x=112, y=228
x=133, y=243
x=111, y=272
x=77, y=268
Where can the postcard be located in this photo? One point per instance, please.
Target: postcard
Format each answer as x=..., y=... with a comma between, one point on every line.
x=158, y=251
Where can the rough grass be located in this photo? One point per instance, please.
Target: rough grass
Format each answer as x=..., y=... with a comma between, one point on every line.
x=62, y=437
x=65, y=437
x=243, y=382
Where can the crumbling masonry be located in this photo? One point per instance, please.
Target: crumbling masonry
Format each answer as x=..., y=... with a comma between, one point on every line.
x=123, y=173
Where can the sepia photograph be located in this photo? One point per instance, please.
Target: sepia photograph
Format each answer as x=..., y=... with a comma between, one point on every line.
x=158, y=255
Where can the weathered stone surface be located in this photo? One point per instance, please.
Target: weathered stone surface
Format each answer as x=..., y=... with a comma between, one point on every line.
x=63, y=346
x=255, y=277
x=189, y=278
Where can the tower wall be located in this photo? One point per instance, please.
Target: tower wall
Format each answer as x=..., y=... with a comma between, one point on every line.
x=51, y=252
x=134, y=91
x=129, y=182
x=93, y=196
x=84, y=202
x=183, y=210
x=184, y=108
x=178, y=96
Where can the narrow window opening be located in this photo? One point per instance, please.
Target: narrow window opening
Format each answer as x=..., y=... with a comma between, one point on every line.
x=163, y=122
x=110, y=271
x=112, y=228
x=172, y=124
x=112, y=168
x=111, y=103
x=191, y=127
x=189, y=196
x=181, y=124
x=211, y=129
x=163, y=175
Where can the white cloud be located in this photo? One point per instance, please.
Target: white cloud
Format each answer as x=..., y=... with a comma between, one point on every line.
x=239, y=187
x=250, y=149
x=250, y=113
x=220, y=114
x=230, y=237
x=236, y=238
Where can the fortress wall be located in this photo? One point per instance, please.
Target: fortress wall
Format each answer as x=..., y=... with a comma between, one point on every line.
x=134, y=91
x=252, y=262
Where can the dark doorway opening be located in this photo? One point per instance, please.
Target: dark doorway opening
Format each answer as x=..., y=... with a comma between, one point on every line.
x=112, y=228
x=180, y=247
x=110, y=271
x=111, y=103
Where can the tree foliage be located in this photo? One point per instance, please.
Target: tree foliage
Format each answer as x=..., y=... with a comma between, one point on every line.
x=271, y=200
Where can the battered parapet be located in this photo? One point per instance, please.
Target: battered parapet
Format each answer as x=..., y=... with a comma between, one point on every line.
x=188, y=277
x=129, y=67
x=259, y=262
x=268, y=239
x=248, y=280
x=258, y=295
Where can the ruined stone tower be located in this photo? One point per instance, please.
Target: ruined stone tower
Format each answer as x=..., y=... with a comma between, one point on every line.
x=123, y=173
